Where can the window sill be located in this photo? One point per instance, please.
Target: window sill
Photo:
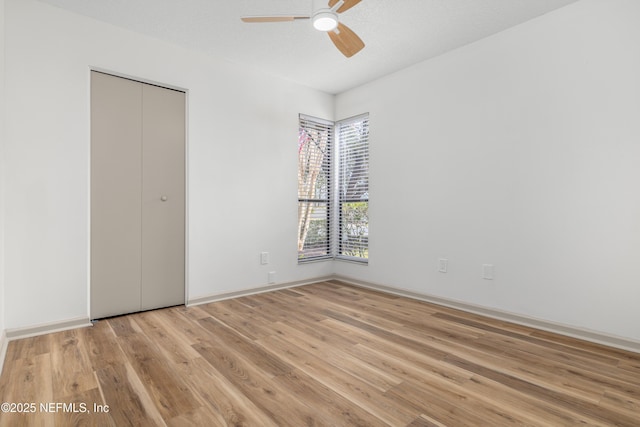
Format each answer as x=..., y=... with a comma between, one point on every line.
x=314, y=260
x=353, y=260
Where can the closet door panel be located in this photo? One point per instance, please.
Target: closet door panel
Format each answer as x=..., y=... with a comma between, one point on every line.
x=163, y=197
x=116, y=186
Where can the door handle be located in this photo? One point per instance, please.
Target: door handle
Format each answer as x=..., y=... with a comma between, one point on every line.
x=164, y=198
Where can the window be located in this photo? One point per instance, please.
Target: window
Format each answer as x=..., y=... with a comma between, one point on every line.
x=333, y=194
x=353, y=188
x=315, y=143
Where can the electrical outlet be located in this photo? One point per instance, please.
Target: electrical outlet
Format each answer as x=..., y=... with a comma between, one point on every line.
x=443, y=265
x=272, y=277
x=264, y=258
x=487, y=271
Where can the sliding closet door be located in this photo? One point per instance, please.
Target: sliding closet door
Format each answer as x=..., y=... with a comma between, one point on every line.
x=137, y=196
x=163, y=198
x=116, y=185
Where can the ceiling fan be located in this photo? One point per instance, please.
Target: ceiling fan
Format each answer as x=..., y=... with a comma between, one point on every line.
x=325, y=19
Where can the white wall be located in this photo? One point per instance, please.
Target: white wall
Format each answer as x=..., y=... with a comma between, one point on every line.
x=2, y=168
x=523, y=151
x=242, y=182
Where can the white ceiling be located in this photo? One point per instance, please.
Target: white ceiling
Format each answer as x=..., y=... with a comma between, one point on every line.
x=397, y=33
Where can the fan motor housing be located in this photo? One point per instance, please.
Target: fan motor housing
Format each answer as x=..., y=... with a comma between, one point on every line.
x=325, y=20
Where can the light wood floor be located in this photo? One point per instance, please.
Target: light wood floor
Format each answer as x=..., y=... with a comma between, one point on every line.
x=326, y=354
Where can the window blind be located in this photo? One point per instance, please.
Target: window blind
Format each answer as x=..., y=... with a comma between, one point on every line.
x=315, y=141
x=353, y=188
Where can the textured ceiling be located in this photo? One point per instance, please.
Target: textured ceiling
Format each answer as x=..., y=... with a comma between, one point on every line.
x=397, y=33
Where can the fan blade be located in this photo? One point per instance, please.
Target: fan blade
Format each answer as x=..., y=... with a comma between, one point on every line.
x=348, y=4
x=259, y=19
x=346, y=40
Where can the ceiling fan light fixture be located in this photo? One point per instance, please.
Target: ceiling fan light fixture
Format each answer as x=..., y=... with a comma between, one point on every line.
x=325, y=20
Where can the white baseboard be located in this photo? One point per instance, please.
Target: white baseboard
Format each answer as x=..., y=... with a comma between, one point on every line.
x=254, y=291
x=47, y=328
x=567, y=330
x=3, y=348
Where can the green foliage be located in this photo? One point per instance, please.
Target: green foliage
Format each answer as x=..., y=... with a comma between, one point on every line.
x=315, y=243
x=355, y=229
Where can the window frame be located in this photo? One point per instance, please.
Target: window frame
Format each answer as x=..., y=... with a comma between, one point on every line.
x=334, y=202
x=318, y=125
x=341, y=194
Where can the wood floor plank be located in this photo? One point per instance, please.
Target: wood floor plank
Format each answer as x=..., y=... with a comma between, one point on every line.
x=84, y=409
x=284, y=408
x=437, y=375
x=102, y=347
x=72, y=371
x=621, y=402
x=290, y=292
x=524, y=365
x=202, y=416
x=424, y=421
x=582, y=378
x=324, y=354
x=228, y=404
x=326, y=349
x=28, y=382
x=167, y=390
x=572, y=403
x=274, y=308
x=620, y=354
x=443, y=408
x=319, y=331
x=351, y=387
x=392, y=308
x=173, y=345
x=388, y=336
x=240, y=318
x=123, y=326
x=193, y=312
x=350, y=309
x=332, y=406
x=28, y=347
x=562, y=351
x=254, y=353
x=128, y=400
x=528, y=406
x=186, y=325
x=262, y=309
